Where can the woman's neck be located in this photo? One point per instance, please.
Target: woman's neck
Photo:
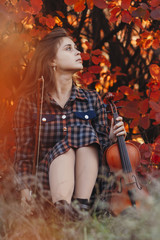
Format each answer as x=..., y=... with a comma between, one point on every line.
x=62, y=89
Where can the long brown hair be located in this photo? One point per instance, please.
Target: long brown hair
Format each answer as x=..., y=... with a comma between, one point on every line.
x=39, y=64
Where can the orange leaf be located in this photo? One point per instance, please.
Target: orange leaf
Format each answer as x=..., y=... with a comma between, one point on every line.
x=95, y=60
x=125, y=4
x=155, y=71
x=100, y=3
x=70, y=2
x=90, y=4
x=155, y=44
x=85, y=56
x=36, y=5
x=50, y=21
x=144, y=122
x=79, y=6
x=147, y=43
x=60, y=14
x=95, y=69
x=126, y=16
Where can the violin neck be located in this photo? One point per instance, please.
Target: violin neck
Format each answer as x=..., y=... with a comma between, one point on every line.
x=126, y=164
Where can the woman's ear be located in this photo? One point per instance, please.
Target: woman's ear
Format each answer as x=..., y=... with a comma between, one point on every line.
x=52, y=63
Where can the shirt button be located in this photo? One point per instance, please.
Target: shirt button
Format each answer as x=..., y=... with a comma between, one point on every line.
x=63, y=116
x=44, y=119
x=64, y=129
x=86, y=116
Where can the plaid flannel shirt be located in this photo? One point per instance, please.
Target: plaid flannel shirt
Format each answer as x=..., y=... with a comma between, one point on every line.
x=82, y=121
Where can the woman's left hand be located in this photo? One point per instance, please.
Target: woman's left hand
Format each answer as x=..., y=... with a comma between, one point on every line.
x=117, y=129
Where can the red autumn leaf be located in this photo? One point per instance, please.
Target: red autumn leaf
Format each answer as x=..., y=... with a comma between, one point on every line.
x=95, y=69
x=85, y=56
x=100, y=3
x=89, y=46
x=144, y=122
x=60, y=14
x=156, y=44
x=125, y=4
x=97, y=52
x=87, y=78
x=138, y=22
x=42, y=20
x=114, y=12
x=134, y=122
x=50, y=21
x=155, y=71
x=155, y=13
x=126, y=16
x=147, y=43
x=140, y=12
x=155, y=95
x=154, y=3
x=118, y=96
x=79, y=6
x=157, y=117
x=152, y=114
x=133, y=96
x=129, y=110
x=126, y=90
x=143, y=106
x=36, y=5
x=96, y=60
x=90, y=4
x=70, y=2
x=155, y=106
x=105, y=61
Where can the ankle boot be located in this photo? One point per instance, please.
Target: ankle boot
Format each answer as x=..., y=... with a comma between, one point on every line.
x=65, y=211
x=83, y=204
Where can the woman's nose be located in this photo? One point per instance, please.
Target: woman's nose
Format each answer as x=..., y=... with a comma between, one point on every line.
x=77, y=52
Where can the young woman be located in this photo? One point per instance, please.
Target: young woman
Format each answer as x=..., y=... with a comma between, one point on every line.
x=74, y=130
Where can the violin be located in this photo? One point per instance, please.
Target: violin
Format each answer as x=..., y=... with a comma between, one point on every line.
x=123, y=159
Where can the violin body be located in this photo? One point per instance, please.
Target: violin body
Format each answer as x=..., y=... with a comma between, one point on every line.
x=123, y=159
x=128, y=192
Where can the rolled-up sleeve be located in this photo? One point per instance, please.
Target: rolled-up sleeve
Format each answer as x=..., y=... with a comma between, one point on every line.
x=23, y=128
x=100, y=124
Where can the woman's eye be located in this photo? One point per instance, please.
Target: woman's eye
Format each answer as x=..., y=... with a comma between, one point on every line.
x=68, y=48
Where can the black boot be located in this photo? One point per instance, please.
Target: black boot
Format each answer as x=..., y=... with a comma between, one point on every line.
x=83, y=204
x=65, y=211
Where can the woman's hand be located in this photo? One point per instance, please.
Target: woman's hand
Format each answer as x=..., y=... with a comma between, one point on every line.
x=117, y=129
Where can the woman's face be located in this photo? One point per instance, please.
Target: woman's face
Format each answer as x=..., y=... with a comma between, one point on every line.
x=68, y=58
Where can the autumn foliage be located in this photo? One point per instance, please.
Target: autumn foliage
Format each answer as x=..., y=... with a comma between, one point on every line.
x=120, y=45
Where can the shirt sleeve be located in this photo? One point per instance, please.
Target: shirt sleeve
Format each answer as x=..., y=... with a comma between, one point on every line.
x=100, y=124
x=23, y=128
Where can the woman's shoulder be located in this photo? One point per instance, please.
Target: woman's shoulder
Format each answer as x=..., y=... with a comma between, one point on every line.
x=89, y=92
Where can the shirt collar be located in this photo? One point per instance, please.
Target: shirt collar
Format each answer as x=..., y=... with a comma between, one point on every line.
x=77, y=93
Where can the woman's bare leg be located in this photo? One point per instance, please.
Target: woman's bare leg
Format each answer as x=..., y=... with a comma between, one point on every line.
x=61, y=176
x=86, y=171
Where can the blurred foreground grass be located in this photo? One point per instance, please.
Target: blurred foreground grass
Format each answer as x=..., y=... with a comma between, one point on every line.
x=143, y=224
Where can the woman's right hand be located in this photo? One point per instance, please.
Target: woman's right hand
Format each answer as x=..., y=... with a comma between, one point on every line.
x=27, y=202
